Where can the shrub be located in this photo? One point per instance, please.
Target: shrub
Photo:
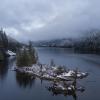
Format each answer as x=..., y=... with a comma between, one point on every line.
x=60, y=70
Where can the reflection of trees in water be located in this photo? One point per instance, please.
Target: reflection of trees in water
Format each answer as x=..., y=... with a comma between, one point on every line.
x=11, y=61
x=65, y=93
x=4, y=65
x=55, y=90
x=24, y=80
x=3, y=69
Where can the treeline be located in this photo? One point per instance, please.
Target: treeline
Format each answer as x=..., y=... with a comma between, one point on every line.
x=3, y=40
x=7, y=43
x=3, y=44
x=89, y=44
x=27, y=56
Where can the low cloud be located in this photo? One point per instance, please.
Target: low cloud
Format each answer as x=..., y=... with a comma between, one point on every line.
x=48, y=19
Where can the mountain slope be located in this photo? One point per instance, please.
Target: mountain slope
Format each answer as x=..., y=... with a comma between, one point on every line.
x=55, y=43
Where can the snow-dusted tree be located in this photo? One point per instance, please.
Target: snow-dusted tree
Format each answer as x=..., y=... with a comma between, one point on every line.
x=26, y=57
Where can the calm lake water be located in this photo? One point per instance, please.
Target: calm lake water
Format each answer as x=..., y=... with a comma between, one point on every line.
x=14, y=86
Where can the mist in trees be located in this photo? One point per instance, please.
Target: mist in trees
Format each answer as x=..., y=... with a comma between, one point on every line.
x=3, y=40
x=3, y=44
x=89, y=43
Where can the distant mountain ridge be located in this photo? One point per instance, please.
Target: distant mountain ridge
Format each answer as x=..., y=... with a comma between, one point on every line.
x=88, y=43
x=55, y=43
x=13, y=44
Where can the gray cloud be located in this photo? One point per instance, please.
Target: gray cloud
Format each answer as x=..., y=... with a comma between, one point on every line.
x=47, y=19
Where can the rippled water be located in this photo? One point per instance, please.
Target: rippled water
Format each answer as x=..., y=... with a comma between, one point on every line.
x=14, y=86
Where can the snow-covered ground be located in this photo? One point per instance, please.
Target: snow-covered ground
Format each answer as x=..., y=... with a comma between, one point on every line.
x=10, y=53
x=50, y=72
x=63, y=82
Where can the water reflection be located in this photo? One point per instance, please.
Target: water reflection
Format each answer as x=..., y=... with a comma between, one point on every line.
x=55, y=93
x=58, y=90
x=3, y=69
x=5, y=65
x=25, y=80
x=54, y=87
x=11, y=61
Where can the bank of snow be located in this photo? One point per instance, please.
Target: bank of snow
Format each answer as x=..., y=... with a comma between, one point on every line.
x=10, y=53
x=64, y=82
x=50, y=72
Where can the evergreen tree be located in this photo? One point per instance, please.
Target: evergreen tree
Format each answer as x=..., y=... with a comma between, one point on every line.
x=24, y=59
x=27, y=56
x=3, y=44
x=32, y=52
x=3, y=39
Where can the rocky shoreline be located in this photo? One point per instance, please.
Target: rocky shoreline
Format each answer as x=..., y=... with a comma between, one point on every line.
x=63, y=80
x=52, y=72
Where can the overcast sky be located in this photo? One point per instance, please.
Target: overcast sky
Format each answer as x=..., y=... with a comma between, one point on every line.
x=48, y=19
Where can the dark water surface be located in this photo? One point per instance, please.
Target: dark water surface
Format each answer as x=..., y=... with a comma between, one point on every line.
x=14, y=86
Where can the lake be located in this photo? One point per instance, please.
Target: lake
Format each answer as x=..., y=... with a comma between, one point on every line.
x=14, y=86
